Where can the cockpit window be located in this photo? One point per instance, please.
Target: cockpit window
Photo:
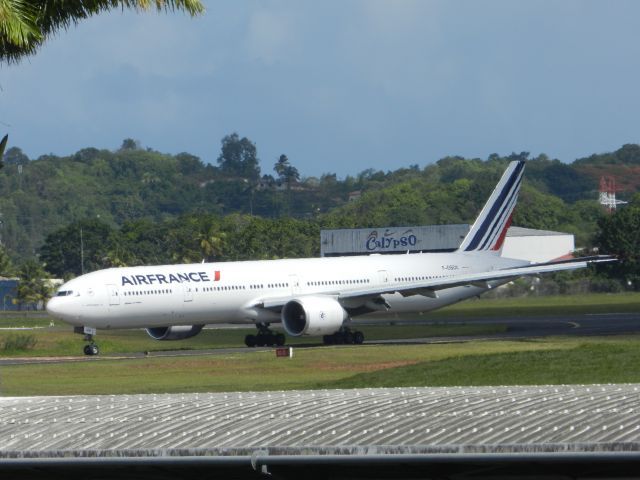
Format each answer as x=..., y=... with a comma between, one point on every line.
x=64, y=293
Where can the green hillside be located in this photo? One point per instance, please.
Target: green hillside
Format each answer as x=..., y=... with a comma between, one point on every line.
x=140, y=206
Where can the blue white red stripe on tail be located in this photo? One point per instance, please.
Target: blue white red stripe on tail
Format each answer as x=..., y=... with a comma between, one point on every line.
x=490, y=228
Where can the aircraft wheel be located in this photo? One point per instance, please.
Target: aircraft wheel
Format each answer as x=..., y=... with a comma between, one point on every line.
x=91, y=349
x=250, y=341
x=260, y=340
x=280, y=339
x=358, y=338
x=348, y=338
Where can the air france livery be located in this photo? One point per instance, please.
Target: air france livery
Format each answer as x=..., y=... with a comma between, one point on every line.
x=313, y=296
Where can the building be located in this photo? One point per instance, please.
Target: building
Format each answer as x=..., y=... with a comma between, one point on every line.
x=537, y=245
x=522, y=243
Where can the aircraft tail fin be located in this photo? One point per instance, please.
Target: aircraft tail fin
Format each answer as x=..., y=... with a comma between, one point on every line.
x=490, y=228
x=3, y=145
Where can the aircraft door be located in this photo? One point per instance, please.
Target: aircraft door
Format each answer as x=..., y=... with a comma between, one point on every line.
x=383, y=277
x=114, y=295
x=294, y=282
x=188, y=293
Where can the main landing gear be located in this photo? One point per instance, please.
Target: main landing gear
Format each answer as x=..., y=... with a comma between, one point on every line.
x=88, y=332
x=344, y=336
x=265, y=337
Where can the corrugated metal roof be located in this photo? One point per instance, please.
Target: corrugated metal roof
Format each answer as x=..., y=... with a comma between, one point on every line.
x=481, y=419
x=532, y=232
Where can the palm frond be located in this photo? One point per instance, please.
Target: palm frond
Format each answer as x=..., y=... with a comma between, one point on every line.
x=19, y=31
x=25, y=24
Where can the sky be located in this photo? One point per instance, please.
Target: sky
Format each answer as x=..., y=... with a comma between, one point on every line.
x=339, y=86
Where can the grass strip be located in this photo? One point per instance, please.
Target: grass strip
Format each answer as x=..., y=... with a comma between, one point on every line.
x=585, y=364
x=62, y=342
x=552, y=361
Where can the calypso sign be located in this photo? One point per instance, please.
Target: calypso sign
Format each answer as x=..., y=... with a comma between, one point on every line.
x=390, y=240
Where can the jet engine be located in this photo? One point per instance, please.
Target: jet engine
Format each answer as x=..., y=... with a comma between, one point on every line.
x=177, y=332
x=312, y=316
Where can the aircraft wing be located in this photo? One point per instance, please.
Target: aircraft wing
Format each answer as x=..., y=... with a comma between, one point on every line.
x=429, y=288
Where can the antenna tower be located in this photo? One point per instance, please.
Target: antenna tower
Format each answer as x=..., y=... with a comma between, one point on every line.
x=608, y=194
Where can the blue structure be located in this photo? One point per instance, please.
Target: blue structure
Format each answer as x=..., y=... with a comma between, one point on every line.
x=8, y=294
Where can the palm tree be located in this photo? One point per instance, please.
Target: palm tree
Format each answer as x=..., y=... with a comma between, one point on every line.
x=212, y=243
x=26, y=24
x=33, y=288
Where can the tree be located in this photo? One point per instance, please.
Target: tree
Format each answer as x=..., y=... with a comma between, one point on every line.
x=34, y=287
x=286, y=172
x=212, y=242
x=619, y=234
x=26, y=25
x=15, y=156
x=6, y=266
x=79, y=248
x=130, y=144
x=238, y=158
x=189, y=164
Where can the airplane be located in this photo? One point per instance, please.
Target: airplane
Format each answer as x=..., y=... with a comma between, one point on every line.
x=3, y=146
x=310, y=296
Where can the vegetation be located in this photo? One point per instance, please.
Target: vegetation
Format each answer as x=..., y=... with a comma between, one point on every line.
x=581, y=361
x=34, y=287
x=60, y=341
x=620, y=234
x=133, y=206
x=557, y=360
x=26, y=25
x=16, y=343
x=548, y=361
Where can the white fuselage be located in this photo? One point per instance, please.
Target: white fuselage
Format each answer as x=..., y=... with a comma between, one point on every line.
x=208, y=293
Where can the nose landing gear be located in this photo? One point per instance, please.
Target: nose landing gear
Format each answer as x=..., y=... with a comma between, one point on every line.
x=88, y=332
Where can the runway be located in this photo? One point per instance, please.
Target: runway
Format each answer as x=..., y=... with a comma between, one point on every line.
x=541, y=326
x=517, y=328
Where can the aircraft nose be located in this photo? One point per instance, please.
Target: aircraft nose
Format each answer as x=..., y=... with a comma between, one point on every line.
x=55, y=308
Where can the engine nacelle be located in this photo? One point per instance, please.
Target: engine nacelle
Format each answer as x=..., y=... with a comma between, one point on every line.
x=312, y=316
x=176, y=332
